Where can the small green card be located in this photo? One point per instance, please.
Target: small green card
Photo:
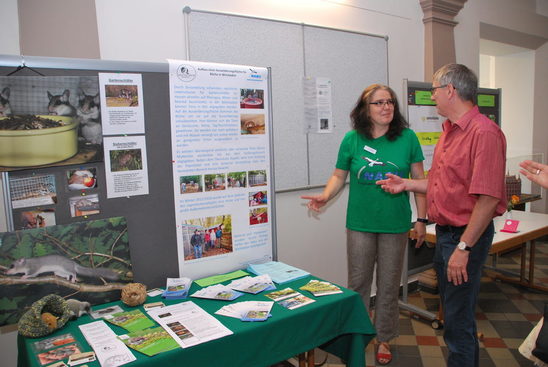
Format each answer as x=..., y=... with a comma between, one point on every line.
x=204, y=282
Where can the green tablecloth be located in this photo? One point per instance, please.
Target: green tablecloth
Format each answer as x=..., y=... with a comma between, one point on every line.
x=337, y=323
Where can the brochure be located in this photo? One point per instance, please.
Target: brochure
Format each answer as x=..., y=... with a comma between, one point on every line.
x=150, y=341
x=248, y=310
x=109, y=350
x=98, y=314
x=58, y=354
x=321, y=288
x=177, y=288
x=278, y=271
x=253, y=285
x=55, y=341
x=189, y=324
x=219, y=292
x=130, y=320
x=282, y=294
x=296, y=302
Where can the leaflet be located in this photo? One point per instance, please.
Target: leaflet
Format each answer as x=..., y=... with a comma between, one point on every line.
x=247, y=311
x=110, y=351
x=219, y=292
x=189, y=324
x=278, y=271
x=253, y=285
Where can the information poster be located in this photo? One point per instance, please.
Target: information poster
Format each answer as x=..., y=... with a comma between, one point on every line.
x=126, y=166
x=221, y=166
x=426, y=123
x=318, y=111
x=122, y=103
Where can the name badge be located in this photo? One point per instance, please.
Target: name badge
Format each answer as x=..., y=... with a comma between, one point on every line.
x=369, y=149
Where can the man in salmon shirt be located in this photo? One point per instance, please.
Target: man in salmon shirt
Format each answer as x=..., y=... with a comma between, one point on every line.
x=464, y=191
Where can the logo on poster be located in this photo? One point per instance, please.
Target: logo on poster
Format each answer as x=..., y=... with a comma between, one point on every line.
x=186, y=73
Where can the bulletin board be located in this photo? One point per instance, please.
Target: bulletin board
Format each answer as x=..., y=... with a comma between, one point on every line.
x=151, y=217
x=350, y=60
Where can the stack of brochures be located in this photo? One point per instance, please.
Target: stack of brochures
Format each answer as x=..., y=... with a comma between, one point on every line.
x=177, y=288
x=253, y=285
x=289, y=298
x=247, y=311
x=321, y=288
x=218, y=292
x=278, y=271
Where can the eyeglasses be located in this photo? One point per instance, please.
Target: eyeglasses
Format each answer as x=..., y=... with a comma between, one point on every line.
x=433, y=89
x=382, y=103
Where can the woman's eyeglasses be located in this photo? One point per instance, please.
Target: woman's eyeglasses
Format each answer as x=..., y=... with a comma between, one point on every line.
x=384, y=102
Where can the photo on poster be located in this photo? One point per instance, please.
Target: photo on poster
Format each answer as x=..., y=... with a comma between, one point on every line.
x=190, y=184
x=49, y=121
x=257, y=178
x=207, y=236
x=121, y=95
x=258, y=216
x=35, y=190
x=252, y=124
x=91, y=258
x=84, y=205
x=258, y=198
x=125, y=160
x=236, y=180
x=81, y=178
x=252, y=98
x=36, y=218
x=215, y=182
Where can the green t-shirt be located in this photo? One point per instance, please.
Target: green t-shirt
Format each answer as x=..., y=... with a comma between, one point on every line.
x=370, y=209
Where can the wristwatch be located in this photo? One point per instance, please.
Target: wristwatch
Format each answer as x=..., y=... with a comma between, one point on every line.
x=463, y=246
x=422, y=220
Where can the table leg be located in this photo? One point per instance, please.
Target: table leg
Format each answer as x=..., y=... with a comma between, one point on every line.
x=523, y=262
x=302, y=360
x=531, y=262
x=310, y=358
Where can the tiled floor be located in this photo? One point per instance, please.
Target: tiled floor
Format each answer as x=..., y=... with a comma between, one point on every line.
x=505, y=315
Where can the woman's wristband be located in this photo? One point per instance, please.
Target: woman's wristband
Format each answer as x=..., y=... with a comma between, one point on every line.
x=422, y=220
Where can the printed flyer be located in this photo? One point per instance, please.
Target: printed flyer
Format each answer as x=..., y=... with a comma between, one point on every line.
x=221, y=166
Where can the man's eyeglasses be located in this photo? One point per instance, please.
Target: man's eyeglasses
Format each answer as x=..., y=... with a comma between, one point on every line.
x=433, y=89
x=382, y=103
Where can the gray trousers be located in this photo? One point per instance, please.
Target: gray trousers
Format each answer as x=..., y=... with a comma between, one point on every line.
x=387, y=250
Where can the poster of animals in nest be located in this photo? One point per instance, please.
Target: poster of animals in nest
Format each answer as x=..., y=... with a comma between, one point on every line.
x=49, y=121
x=88, y=261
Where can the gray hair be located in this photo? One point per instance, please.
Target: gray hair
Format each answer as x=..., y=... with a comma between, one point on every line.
x=461, y=78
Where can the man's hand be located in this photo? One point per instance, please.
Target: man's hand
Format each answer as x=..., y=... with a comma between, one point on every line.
x=456, y=267
x=419, y=233
x=392, y=184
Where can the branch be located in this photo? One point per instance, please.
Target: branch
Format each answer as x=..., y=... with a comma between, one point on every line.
x=81, y=287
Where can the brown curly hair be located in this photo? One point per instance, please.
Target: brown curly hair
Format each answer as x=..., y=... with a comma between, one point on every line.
x=360, y=116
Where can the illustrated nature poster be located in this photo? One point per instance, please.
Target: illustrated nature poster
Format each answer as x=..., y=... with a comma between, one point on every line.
x=88, y=261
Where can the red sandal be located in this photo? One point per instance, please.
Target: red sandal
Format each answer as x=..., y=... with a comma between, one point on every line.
x=384, y=358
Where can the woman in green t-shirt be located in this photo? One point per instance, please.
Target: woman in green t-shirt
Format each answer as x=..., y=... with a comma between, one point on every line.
x=377, y=222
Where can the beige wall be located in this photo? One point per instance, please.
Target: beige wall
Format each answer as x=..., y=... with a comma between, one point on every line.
x=60, y=28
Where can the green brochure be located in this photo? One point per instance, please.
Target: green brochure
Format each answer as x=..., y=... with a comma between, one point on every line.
x=204, y=282
x=150, y=341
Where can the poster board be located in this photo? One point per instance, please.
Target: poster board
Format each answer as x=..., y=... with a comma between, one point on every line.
x=151, y=217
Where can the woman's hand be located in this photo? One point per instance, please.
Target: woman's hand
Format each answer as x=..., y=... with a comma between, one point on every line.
x=316, y=201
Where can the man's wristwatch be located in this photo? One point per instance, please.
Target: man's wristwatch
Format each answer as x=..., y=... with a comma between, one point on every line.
x=463, y=246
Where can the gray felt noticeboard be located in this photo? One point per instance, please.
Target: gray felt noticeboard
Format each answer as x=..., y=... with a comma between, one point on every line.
x=351, y=60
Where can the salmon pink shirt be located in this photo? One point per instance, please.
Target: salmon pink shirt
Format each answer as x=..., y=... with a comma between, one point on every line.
x=469, y=160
